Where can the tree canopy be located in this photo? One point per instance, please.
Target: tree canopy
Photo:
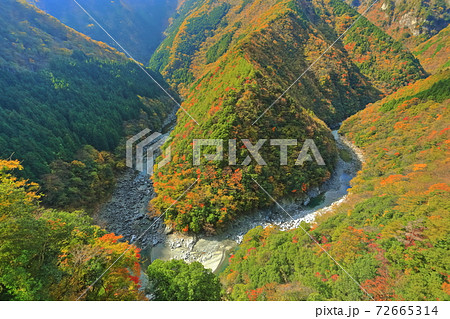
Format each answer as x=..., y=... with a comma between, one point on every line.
x=176, y=280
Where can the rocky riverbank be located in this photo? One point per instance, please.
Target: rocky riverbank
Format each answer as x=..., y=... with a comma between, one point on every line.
x=126, y=214
x=213, y=251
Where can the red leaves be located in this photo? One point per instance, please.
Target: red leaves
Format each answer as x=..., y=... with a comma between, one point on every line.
x=304, y=187
x=254, y=294
x=134, y=279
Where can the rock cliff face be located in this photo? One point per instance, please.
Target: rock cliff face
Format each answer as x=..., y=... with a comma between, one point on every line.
x=434, y=53
x=412, y=22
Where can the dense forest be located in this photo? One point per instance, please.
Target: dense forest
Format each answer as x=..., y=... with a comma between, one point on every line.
x=138, y=25
x=55, y=255
x=256, y=51
x=433, y=53
x=68, y=103
x=390, y=234
x=60, y=91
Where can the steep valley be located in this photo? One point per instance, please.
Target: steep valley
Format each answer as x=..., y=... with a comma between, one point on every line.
x=236, y=91
x=369, y=96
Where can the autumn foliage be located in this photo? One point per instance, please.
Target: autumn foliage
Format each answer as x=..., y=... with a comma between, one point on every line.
x=391, y=235
x=54, y=255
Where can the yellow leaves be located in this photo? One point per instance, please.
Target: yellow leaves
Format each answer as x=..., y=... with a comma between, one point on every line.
x=349, y=244
x=436, y=227
x=14, y=190
x=78, y=164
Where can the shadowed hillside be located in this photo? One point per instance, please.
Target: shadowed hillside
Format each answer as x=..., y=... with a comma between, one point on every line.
x=138, y=25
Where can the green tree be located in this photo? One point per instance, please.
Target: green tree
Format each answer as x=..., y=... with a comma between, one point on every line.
x=53, y=255
x=176, y=280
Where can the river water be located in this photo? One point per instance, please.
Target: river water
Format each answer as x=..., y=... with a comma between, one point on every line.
x=213, y=252
x=124, y=214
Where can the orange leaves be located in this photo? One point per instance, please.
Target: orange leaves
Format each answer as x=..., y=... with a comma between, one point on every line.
x=304, y=187
x=380, y=288
x=440, y=186
x=188, y=124
x=10, y=165
x=444, y=130
x=446, y=285
x=400, y=126
x=392, y=179
x=419, y=167
x=232, y=276
x=110, y=238
x=350, y=46
x=254, y=294
x=334, y=277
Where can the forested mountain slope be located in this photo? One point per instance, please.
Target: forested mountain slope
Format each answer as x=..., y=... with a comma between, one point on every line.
x=433, y=54
x=410, y=21
x=30, y=38
x=55, y=255
x=210, y=29
x=59, y=90
x=138, y=25
x=231, y=60
x=391, y=233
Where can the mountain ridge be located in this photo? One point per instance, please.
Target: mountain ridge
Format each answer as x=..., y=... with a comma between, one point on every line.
x=388, y=234
x=263, y=47
x=138, y=25
x=57, y=86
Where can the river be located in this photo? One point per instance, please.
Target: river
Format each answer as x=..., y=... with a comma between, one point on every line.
x=125, y=214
